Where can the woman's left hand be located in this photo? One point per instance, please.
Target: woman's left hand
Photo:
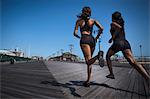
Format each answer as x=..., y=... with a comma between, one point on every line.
x=110, y=40
x=96, y=40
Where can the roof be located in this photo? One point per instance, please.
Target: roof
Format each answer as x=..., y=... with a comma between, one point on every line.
x=7, y=52
x=68, y=53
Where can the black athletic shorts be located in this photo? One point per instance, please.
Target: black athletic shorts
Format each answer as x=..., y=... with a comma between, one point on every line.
x=87, y=39
x=120, y=45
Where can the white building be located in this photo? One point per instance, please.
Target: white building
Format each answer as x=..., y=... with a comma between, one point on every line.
x=6, y=52
x=12, y=53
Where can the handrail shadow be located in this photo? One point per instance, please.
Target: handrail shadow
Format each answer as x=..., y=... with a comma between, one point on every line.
x=107, y=86
x=66, y=85
x=80, y=83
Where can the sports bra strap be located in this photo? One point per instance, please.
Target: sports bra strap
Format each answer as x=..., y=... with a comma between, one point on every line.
x=86, y=27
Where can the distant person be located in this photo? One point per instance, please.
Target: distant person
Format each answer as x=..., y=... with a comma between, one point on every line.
x=12, y=60
x=87, y=41
x=121, y=44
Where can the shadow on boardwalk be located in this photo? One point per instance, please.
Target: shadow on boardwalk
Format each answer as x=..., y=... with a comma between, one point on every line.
x=80, y=83
x=66, y=85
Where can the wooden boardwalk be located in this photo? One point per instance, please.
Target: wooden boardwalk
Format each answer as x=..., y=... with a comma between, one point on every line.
x=55, y=80
x=128, y=83
x=26, y=81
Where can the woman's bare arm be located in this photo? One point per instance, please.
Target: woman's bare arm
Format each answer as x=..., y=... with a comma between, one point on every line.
x=100, y=29
x=117, y=25
x=76, y=29
x=114, y=27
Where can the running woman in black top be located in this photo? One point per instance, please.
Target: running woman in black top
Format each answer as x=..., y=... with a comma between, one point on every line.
x=87, y=41
x=121, y=44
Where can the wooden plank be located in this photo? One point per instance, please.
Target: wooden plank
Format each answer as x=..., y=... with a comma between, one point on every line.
x=130, y=86
x=124, y=83
x=100, y=88
x=147, y=90
x=68, y=79
x=35, y=90
x=122, y=77
x=21, y=93
x=113, y=84
x=135, y=94
x=141, y=89
x=24, y=81
x=96, y=75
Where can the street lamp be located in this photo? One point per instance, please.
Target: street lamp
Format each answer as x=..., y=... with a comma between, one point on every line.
x=57, y=53
x=61, y=50
x=141, y=51
x=71, y=48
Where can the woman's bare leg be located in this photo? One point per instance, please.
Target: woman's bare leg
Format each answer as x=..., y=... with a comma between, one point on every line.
x=109, y=63
x=128, y=55
x=92, y=60
x=87, y=55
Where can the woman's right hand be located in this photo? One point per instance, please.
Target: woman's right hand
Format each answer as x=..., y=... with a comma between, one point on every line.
x=110, y=40
x=76, y=35
x=95, y=40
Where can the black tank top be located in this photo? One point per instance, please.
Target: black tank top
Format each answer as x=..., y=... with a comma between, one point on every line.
x=86, y=27
x=119, y=34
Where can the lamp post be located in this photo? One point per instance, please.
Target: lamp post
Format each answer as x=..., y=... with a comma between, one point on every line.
x=57, y=53
x=141, y=51
x=61, y=50
x=71, y=48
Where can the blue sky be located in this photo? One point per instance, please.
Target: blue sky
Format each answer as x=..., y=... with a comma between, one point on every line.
x=46, y=26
